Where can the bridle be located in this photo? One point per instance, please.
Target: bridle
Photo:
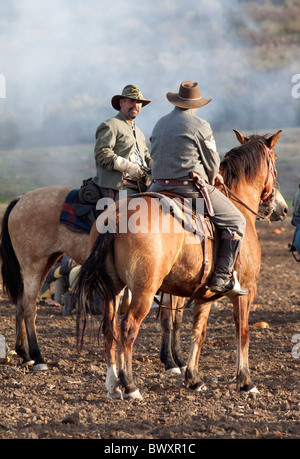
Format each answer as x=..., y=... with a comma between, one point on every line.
x=268, y=193
x=271, y=177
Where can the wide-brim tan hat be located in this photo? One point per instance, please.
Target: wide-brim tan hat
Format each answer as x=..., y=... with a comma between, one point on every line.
x=131, y=92
x=189, y=96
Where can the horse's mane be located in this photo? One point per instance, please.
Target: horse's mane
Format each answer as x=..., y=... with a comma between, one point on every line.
x=244, y=160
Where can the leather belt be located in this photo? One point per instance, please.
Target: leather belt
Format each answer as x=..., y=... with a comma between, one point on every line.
x=196, y=181
x=174, y=182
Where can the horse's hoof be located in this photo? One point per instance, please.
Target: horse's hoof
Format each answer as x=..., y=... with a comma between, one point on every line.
x=174, y=371
x=254, y=390
x=40, y=367
x=117, y=394
x=201, y=387
x=249, y=388
x=28, y=363
x=183, y=369
x=136, y=395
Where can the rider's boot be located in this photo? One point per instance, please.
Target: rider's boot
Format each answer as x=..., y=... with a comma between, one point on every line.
x=223, y=281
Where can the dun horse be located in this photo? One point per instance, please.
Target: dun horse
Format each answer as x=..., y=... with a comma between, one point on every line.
x=172, y=308
x=173, y=262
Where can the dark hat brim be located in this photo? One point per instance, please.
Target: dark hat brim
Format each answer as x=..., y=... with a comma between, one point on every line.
x=175, y=99
x=115, y=101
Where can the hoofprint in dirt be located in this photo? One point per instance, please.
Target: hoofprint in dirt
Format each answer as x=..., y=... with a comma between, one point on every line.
x=69, y=400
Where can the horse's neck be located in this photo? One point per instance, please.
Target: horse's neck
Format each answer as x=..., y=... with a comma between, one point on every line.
x=249, y=196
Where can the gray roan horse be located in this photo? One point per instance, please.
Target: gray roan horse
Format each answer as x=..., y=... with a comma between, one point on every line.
x=150, y=261
x=32, y=239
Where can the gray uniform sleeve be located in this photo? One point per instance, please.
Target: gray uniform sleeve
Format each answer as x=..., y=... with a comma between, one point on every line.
x=208, y=153
x=104, y=147
x=296, y=204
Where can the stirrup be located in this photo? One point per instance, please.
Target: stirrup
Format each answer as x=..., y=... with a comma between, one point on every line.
x=237, y=290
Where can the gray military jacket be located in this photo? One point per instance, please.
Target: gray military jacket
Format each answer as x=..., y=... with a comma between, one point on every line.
x=115, y=137
x=296, y=210
x=182, y=142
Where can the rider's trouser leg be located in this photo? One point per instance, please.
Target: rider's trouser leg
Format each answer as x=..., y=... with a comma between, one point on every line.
x=222, y=281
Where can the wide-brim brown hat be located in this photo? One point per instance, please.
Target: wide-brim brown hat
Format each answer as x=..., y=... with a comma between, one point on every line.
x=189, y=96
x=131, y=92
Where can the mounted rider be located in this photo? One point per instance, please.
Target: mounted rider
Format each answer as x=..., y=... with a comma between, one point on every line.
x=121, y=154
x=183, y=144
x=296, y=222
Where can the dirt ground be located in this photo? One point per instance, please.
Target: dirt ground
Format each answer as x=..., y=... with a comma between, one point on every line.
x=69, y=400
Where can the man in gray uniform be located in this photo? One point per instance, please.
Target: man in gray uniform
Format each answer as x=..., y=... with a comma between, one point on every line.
x=296, y=220
x=121, y=153
x=182, y=143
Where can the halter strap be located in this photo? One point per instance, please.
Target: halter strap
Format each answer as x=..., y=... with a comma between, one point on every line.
x=272, y=174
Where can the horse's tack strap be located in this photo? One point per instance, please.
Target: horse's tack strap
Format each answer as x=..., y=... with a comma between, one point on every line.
x=201, y=185
x=205, y=265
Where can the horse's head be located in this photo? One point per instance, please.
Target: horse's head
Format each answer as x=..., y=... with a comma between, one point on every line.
x=271, y=196
x=276, y=209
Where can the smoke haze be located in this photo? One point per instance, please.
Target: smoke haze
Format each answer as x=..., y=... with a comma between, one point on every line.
x=64, y=60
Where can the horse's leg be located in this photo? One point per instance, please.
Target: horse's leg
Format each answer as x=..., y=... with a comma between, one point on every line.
x=125, y=302
x=171, y=314
x=21, y=346
x=26, y=338
x=110, y=332
x=201, y=313
x=167, y=337
x=139, y=308
x=26, y=317
x=241, y=310
x=176, y=342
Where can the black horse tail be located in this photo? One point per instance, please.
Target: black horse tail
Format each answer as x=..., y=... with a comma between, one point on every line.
x=93, y=279
x=12, y=280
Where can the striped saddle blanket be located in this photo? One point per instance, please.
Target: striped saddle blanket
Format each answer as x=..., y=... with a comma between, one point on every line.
x=75, y=215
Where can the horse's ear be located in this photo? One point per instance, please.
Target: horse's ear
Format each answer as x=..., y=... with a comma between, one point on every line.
x=271, y=141
x=241, y=138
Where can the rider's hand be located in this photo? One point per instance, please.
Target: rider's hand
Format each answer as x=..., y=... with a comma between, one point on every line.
x=132, y=169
